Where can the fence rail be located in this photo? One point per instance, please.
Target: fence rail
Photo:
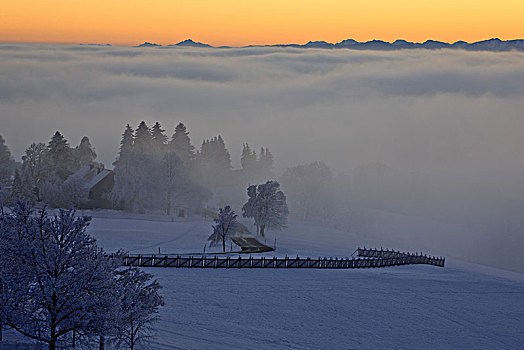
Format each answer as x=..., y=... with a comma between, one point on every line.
x=368, y=258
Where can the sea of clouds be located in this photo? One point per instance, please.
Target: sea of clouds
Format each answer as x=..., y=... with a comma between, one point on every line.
x=449, y=122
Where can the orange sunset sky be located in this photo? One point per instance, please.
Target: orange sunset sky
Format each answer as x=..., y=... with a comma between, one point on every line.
x=240, y=22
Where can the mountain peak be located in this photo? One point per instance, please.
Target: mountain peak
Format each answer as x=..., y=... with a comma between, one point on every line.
x=148, y=44
x=189, y=42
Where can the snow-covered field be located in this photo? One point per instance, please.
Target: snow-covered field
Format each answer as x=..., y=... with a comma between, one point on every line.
x=461, y=306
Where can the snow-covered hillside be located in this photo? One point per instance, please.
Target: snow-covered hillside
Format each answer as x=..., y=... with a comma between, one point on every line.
x=410, y=307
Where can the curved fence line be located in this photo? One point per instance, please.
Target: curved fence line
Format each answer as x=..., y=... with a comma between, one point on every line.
x=370, y=258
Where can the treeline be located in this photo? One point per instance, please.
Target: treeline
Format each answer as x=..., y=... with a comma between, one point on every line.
x=42, y=174
x=153, y=171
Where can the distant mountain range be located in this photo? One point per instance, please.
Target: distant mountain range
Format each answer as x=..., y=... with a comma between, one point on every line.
x=485, y=45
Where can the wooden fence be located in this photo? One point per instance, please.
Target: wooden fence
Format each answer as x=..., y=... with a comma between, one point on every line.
x=368, y=258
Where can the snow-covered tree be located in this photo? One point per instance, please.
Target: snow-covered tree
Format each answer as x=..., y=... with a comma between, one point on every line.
x=60, y=158
x=139, y=303
x=84, y=153
x=54, y=279
x=267, y=206
x=213, y=162
x=181, y=144
x=248, y=158
x=265, y=161
x=74, y=192
x=225, y=228
x=121, y=193
x=6, y=163
x=158, y=139
x=173, y=173
x=34, y=170
x=142, y=141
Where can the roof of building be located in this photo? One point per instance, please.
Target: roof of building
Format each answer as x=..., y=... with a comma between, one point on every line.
x=91, y=175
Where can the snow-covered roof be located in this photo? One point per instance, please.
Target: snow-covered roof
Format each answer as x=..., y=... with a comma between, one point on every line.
x=90, y=175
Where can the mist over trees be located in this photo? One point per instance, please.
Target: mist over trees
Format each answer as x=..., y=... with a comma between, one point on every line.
x=44, y=170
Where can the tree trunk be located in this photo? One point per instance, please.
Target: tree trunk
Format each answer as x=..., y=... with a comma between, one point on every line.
x=224, y=245
x=52, y=344
x=101, y=344
x=168, y=204
x=262, y=227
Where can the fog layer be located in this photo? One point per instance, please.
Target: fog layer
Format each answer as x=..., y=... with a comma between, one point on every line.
x=446, y=125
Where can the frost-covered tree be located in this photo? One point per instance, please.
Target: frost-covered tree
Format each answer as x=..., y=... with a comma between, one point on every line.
x=122, y=194
x=6, y=163
x=181, y=144
x=249, y=209
x=248, y=159
x=143, y=140
x=54, y=279
x=225, y=228
x=34, y=170
x=139, y=305
x=267, y=206
x=174, y=174
x=84, y=153
x=213, y=162
x=22, y=188
x=74, y=192
x=60, y=158
x=265, y=161
x=158, y=139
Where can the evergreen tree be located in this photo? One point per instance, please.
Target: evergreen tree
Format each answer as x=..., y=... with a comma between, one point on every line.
x=143, y=139
x=265, y=161
x=6, y=163
x=60, y=157
x=84, y=153
x=181, y=144
x=158, y=138
x=248, y=159
x=122, y=193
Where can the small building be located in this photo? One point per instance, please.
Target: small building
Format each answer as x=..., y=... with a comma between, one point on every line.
x=98, y=182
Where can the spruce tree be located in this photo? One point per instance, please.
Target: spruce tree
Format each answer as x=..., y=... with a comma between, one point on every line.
x=60, y=158
x=248, y=159
x=265, y=161
x=143, y=139
x=181, y=144
x=122, y=194
x=158, y=139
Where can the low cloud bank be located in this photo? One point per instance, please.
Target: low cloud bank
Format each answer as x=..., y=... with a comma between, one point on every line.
x=446, y=124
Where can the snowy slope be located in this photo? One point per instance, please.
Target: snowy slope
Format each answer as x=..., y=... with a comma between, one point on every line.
x=410, y=307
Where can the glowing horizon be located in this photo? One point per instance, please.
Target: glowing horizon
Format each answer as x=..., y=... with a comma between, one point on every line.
x=238, y=23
